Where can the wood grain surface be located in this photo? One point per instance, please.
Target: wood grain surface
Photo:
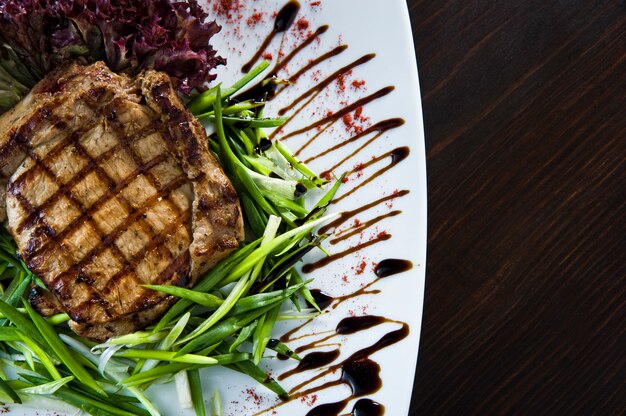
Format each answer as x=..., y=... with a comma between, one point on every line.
x=525, y=115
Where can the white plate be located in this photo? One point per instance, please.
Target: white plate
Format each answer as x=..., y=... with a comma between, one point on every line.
x=366, y=26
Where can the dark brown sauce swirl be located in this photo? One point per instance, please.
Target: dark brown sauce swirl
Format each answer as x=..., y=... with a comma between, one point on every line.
x=354, y=324
x=322, y=58
x=363, y=377
x=383, y=269
x=367, y=407
x=347, y=326
x=397, y=155
x=347, y=215
x=312, y=361
x=345, y=234
x=328, y=80
x=389, y=267
x=379, y=128
x=267, y=91
x=322, y=299
x=358, y=371
x=325, y=261
x=332, y=118
x=284, y=20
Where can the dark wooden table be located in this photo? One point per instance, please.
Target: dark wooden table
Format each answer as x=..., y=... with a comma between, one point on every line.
x=525, y=115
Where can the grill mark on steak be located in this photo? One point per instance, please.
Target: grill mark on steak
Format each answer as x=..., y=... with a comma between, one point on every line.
x=111, y=194
x=152, y=244
x=175, y=266
x=108, y=240
x=77, y=312
x=92, y=164
x=64, y=189
x=181, y=263
x=95, y=298
x=149, y=176
x=82, y=174
x=178, y=267
x=74, y=139
x=44, y=229
x=57, y=85
x=20, y=135
x=44, y=302
x=43, y=114
x=87, y=213
x=160, y=96
x=18, y=138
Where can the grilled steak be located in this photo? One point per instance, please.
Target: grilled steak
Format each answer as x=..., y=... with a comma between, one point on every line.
x=107, y=184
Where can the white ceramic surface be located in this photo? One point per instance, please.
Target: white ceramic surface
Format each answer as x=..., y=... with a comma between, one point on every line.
x=367, y=26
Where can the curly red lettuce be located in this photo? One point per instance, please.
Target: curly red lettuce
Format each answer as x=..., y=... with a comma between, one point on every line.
x=172, y=36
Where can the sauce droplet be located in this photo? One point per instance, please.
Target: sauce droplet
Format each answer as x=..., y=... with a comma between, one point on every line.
x=286, y=16
x=328, y=409
x=355, y=324
x=312, y=361
x=362, y=375
x=389, y=267
x=367, y=407
x=284, y=20
x=322, y=299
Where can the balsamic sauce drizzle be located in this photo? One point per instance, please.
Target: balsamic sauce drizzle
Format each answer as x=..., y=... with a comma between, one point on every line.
x=349, y=232
x=358, y=371
x=316, y=89
x=347, y=215
x=269, y=90
x=283, y=63
x=384, y=268
x=389, y=267
x=322, y=58
x=312, y=361
x=283, y=21
x=309, y=267
x=327, y=121
x=347, y=326
x=312, y=93
x=397, y=155
x=355, y=359
x=380, y=128
x=367, y=407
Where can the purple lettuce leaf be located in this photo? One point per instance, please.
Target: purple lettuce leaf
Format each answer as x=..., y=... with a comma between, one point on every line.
x=129, y=35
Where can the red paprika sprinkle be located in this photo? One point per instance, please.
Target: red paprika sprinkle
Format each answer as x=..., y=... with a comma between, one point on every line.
x=357, y=84
x=255, y=19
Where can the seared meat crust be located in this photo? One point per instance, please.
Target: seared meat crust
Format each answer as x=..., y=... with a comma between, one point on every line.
x=106, y=184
